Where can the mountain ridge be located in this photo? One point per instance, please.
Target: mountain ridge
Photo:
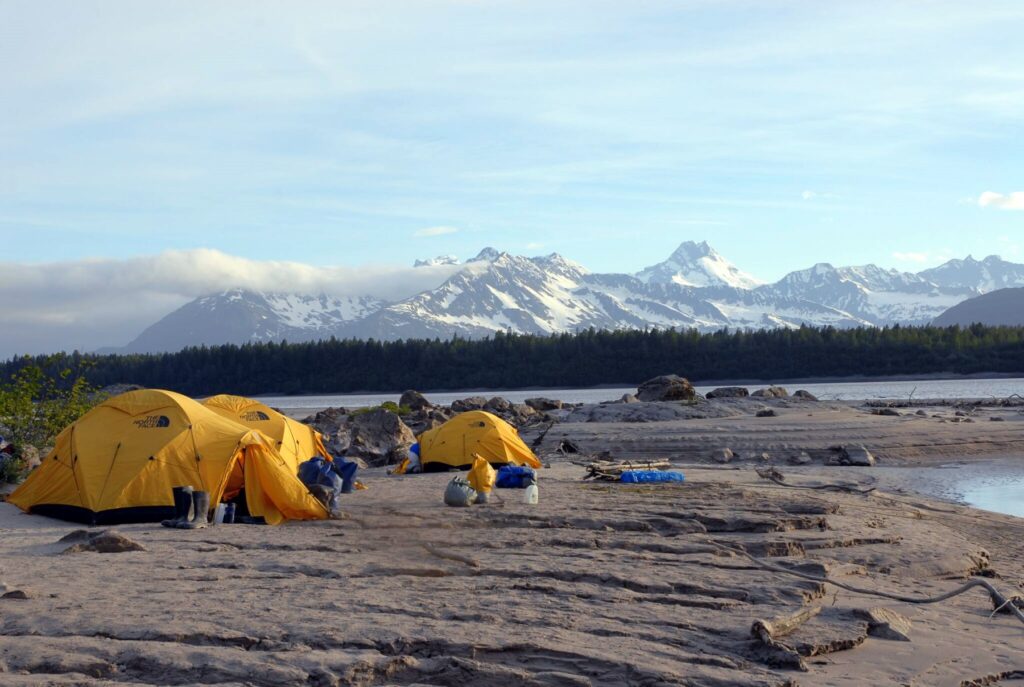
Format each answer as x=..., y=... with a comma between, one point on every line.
x=497, y=291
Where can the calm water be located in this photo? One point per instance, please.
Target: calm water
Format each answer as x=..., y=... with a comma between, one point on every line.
x=1002, y=495
x=846, y=391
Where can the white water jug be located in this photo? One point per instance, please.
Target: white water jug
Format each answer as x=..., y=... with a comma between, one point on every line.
x=531, y=495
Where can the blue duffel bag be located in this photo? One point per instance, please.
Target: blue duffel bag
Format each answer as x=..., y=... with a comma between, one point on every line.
x=515, y=477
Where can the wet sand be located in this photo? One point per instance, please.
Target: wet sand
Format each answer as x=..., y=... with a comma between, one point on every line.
x=598, y=584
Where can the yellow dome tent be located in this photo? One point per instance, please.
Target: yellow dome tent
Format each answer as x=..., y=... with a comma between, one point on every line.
x=295, y=441
x=476, y=433
x=120, y=461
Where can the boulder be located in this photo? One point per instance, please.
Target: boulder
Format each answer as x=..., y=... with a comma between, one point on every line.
x=766, y=412
x=857, y=455
x=996, y=418
x=722, y=455
x=379, y=437
x=666, y=388
x=498, y=405
x=804, y=395
x=729, y=392
x=629, y=398
x=523, y=414
x=467, y=404
x=544, y=404
x=333, y=424
x=886, y=411
x=921, y=413
x=771, y=392
x=414, y=400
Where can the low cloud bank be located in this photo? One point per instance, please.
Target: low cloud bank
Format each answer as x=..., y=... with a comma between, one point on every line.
x=88, y=304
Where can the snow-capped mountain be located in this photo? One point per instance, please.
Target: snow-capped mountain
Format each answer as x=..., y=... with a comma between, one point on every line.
x=238, y=316
x=496, y=291
x=697, y=264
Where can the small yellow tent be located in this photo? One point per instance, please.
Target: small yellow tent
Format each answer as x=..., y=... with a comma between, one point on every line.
x=120, y=461
x=474, y=433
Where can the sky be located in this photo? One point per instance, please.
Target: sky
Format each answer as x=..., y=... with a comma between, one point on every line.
x=170, y=148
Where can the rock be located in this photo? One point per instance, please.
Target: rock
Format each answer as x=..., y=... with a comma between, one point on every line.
x=523, y=414
x=467, y=404
x=333, y=424
x=922, y=413
x=804, y=395
x=543, y=404
x=498, y=405
x=886, y=411
x=379, y=437
x=764, y=456
x=771, y=392
x=729, y=392
x=105, y=541
x=9, y=592
x=666, y=388
x=885, y=624
x=996, y=418
x=857, y=455
x=960, y=413
x=800, y=459
x=766, y=412
x=414, y=400
x=629, y=398
x=722, y=455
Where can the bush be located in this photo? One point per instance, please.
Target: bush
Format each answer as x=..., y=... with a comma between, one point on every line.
x=386, y=405
x=36, y=407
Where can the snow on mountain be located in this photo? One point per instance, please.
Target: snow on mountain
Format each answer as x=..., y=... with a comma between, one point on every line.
x=435, y=262
x=978, y=276
x=698, y=264
x=497, y=291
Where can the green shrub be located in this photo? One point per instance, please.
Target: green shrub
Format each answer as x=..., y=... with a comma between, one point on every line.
x=386, y=405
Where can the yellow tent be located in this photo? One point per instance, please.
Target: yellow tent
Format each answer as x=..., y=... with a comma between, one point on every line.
x=474, y=433
x=120, y=461
x=295, y=441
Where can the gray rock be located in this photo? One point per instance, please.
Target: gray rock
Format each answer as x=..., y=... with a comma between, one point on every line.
x=885, y=624
x=804, y=395
x=886, y=411
x=498, y=405
x=467, y=404
x=766, y=412
x=666, y=388
x=414, y=400
x=105, y=541
x=996, y=418
x=729, y=392
x=379, y=437
x=543, y=404
x=771, y=392
x=722, y=455
x=857, y=455
x=922, y=413
x=800, y=459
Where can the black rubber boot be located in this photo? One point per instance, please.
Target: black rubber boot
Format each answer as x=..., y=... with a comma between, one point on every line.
x=200, y=511
x=182, y=507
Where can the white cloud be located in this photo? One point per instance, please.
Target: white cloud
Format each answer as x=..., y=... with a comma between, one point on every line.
x=87, y=304
x=434, y=231
x=1002, y=201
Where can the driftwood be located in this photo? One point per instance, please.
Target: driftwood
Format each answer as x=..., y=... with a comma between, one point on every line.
x=612, y=471
x=769, y=632
x=776, y=476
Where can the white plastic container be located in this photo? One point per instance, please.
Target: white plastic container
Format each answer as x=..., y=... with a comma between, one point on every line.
x=532, y=495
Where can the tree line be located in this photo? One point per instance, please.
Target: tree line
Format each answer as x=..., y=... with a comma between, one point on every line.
x=586, y=358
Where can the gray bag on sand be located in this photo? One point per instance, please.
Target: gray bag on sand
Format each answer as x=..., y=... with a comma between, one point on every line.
x=459, y=492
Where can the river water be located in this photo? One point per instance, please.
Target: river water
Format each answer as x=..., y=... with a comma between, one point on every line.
x=830, y=391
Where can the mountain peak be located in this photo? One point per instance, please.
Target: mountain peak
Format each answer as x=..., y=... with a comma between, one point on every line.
x=698, y=265
x=439, y=260
x=487, y=255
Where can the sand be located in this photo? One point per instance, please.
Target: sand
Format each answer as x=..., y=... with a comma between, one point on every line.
x=598, y=584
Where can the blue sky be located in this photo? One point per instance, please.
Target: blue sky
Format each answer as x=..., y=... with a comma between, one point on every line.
x=347, y=133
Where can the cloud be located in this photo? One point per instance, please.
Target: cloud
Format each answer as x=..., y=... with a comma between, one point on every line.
x=1002, y=201
x=434, y=231
x=88, y=304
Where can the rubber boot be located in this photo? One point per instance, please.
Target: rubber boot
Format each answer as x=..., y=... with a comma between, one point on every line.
x=200, y=511
x=182, y=507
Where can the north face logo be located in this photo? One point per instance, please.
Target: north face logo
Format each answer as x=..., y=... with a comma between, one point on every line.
x=153, y=421
x=255, y=416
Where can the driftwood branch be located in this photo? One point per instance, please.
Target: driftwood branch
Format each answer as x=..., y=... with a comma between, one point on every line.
x=774, y=475
x=769, y=632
